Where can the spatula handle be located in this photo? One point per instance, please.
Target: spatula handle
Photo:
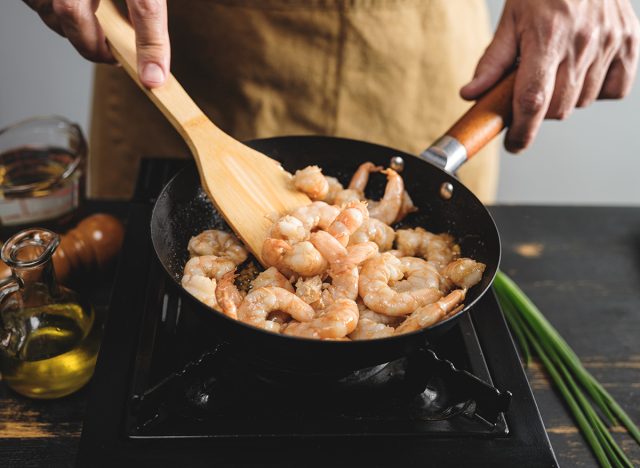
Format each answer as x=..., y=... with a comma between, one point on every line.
x=170, y=98
x=477, y=127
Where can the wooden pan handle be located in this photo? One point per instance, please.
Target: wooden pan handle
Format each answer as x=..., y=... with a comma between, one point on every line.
x=477, y=127
x=487, y=118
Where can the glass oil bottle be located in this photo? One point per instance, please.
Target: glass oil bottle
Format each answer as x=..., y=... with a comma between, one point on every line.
x=49, y=337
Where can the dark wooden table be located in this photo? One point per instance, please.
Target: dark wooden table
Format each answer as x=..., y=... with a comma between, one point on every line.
x=580, y=265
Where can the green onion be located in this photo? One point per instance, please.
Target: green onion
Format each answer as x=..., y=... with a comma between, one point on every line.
x=574, y=382
x=507, y=287
x=510, y=311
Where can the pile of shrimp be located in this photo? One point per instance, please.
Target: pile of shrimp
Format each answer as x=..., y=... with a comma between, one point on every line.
x=337, y=269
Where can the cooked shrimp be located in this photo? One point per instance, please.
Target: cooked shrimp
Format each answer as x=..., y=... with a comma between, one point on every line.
x=358, y=253
x=336, y=321
x=376, y=275
x=228, y=296
x=273, y=252
x=271, y=277
x=309, y=289
x=346, y=196
x=279, y=317
x=359, y=183
x=202, y=288
x=396, y=253
x=368, y=330
x=412, y=242
x=349, y=283
x=418, y=274
x=380, y=318
x=407, y=206
x=290, y=229
x=317, y=215
x=439, y=249
x=304, y=259
x=360, y=178
x=344, y=284
x=330, y=247
x=334, y=187
x=301, y=258
x=311, y=181
x=442, y=250
x=464, y=272
x=259, y=303
x=335, y=253
x=219, y=243
x=343, y=265
x=373, y=325
x=388, y=208
x=201, y=275
x=376, y=231
x=344, y=272
x=430, y=314
x=209, y=266
x=348, y=221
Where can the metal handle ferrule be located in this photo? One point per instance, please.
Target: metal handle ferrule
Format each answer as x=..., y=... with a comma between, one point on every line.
x=447, y=153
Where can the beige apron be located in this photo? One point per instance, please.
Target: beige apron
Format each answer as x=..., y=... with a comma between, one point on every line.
x=384, y=71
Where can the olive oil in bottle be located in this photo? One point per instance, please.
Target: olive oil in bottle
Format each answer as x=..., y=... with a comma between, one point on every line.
x=58, y=356
x=50, y=338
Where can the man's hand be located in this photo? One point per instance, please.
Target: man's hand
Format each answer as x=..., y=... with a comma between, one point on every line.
x=571, y=53
x=75, y=20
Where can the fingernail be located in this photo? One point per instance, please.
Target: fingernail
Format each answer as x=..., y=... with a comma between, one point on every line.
x=471, y=83
x=465, y=90
x=152, y=74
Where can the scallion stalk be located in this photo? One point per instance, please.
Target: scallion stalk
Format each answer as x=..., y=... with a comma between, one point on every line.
x=509, y=311
x=543, y=328
x=533, y=330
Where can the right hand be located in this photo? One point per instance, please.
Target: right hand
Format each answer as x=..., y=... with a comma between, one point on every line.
x=76, y=20
x=571, y=53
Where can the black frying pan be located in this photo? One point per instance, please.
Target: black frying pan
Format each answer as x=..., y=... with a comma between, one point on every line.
x=183, y=210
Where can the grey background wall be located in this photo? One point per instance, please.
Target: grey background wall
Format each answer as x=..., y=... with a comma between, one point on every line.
x=592, y=158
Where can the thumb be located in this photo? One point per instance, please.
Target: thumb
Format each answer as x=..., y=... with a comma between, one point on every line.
x=149, y=18
x=499, y=57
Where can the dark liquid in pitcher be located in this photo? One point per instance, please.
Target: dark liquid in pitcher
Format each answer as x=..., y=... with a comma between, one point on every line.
x=27, y=166
x=40, y=176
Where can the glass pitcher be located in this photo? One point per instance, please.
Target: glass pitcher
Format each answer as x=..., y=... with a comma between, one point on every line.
x=41, y=172
x=49, y=337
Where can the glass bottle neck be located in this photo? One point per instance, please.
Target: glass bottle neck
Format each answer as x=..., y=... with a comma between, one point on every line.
x=29, y=254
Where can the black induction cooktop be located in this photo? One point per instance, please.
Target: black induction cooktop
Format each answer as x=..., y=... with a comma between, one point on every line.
x=167, y=394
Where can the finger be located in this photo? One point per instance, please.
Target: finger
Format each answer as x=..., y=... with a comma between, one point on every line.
x=566, y=91
x=80, y=25
x=592, y=85
x=572, y=72
x=623, y=68
x=149, y=18
x=617, y=82
x=44, y=8
x=499, y=57
x=532, y=92
x=597, y=72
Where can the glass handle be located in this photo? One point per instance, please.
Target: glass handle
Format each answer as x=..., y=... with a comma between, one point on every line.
x=7, y=286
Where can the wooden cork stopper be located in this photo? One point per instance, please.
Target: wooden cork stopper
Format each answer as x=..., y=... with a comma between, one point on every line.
x=89, y=247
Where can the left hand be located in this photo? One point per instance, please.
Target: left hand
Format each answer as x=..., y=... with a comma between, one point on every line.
x=76, y=20
x=571, y=53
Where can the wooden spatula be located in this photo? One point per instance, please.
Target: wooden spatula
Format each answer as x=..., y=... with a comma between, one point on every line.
x=244, y=185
